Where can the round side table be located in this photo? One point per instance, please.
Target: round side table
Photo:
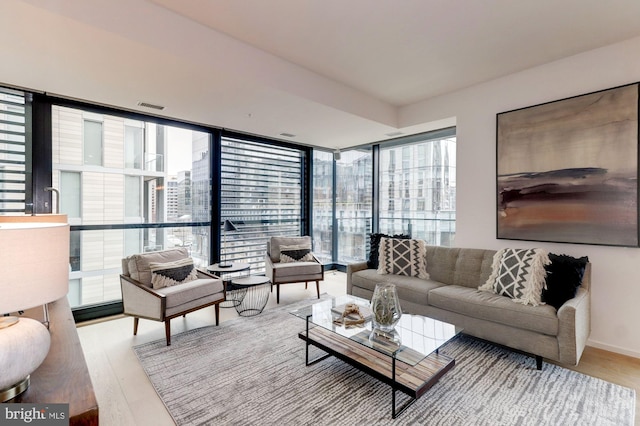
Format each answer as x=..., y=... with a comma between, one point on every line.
x=257, y=289
x=234, y=295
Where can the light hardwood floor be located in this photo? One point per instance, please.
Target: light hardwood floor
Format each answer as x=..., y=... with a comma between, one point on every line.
x=126, y=397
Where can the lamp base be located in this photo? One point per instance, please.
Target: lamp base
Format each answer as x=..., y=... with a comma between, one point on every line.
x=23, y=347
x=15, y=390
x=225, y=265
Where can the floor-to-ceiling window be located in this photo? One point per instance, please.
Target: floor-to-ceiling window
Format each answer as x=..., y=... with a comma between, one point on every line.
x=354, y=203
x=131, y=183
x=128, y=186
x=262, y=194
x=418, y=188
x=323, y=203
x=414, y=194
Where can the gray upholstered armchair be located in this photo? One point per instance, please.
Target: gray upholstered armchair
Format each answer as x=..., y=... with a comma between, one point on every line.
x=290, y=260
x=163, y=285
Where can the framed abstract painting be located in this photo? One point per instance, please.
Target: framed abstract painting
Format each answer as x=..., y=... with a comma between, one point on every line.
x=567, y=171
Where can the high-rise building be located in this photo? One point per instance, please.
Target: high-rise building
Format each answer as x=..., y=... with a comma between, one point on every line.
x=171, y=191
x=112, y=174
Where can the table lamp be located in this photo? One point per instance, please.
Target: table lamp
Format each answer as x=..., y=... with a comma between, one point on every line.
x=227, y=227
x=34, y=270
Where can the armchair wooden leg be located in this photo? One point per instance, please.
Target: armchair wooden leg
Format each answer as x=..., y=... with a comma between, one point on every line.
x=277, y=293
x=136, y=320
x=167, y=331
x=318, y=288
x=217, y=313
x=305, y=284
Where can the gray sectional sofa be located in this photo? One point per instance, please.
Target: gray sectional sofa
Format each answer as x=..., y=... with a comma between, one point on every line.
x=451, y=294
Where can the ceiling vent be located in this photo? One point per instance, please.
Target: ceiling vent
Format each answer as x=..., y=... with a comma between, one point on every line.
x=152, y=106
x=393, y=134
x=287, y=135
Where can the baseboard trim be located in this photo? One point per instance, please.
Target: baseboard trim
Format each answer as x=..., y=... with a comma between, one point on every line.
x=613, y=348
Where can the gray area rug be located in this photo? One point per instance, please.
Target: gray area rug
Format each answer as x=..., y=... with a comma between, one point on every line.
x=251, y=371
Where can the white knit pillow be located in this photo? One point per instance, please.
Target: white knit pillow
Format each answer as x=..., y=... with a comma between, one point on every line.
x=518, y=274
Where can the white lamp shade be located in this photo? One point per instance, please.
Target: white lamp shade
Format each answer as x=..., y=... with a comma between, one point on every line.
x=34, y=262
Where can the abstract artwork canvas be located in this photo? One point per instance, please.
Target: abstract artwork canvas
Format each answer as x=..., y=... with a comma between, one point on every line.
x=567, y=171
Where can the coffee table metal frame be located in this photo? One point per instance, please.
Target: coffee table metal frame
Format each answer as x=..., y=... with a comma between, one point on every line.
x=401, y=367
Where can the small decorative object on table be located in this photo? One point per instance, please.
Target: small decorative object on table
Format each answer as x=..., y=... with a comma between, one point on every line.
x=386, y=307
x=351, y=316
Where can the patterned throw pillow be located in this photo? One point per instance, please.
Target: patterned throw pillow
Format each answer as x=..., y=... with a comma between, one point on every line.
x=295, y=253
x=374, y=248
x=172, y=273
x=518, y=274
x=403, y=257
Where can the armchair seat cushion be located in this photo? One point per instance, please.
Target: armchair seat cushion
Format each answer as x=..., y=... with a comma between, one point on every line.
x=180, y=294
x=288, y=271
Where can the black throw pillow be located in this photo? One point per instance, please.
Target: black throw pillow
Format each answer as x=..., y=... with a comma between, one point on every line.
x=374, y=247
x=564, y=276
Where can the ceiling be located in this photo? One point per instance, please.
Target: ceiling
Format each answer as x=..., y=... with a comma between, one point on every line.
x=333, y=73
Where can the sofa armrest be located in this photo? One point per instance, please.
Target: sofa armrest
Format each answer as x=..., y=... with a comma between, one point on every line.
x=140, y=300
x=574, y=327
x=351, y=268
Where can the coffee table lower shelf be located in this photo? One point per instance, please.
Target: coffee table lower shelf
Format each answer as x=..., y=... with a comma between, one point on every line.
x=412, y=380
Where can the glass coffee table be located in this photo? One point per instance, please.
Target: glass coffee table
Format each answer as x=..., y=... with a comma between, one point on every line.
x=408, y=359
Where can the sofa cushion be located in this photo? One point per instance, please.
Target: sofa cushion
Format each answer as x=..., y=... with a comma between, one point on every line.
x=413, y=289
x=492, y=307
x=518, y=274
x=374, y=247
x=564, y=276
x=473, y=267
x=403, y=257
x=138, y=264
x=172, y=273
x=192, y=290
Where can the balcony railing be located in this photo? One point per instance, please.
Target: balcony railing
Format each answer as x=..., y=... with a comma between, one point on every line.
x=353, y=235
x=153, y=162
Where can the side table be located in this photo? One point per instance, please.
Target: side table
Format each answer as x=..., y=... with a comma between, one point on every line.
x=257, y=289
x=234, y=296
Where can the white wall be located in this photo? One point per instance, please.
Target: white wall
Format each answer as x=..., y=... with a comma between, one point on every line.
x=615, y=300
